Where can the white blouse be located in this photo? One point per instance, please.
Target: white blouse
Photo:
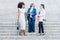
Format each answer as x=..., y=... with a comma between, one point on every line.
x=42, y=15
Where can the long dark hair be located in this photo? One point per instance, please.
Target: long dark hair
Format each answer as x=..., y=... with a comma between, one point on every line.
x=43, y=6
x=20, y=4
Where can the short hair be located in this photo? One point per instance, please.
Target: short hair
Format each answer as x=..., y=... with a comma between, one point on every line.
x=20, y=4
x=43, y=6
x=31, y=4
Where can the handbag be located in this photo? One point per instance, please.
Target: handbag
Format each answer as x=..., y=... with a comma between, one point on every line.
x=18, y=25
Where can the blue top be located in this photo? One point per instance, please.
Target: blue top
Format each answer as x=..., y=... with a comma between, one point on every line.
x=33, y=12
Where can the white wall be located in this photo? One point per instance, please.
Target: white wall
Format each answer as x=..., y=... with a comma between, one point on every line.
x=8, y=8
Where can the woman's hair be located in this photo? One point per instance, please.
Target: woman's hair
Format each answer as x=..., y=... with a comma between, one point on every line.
x=43, y=6
x=20, y=4
x=31, y=4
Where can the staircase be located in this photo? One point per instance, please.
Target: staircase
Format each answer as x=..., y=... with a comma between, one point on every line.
x=8, y=22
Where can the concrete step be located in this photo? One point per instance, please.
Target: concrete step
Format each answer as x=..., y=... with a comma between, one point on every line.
x=29, y=34
x=29, y=37
x=9, y=31
x=15, y=28
x=15, y=22
x=36, y=25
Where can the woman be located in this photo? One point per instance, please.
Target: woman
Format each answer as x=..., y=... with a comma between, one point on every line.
x=41, y=18
x=21, y=17
x=31, y=18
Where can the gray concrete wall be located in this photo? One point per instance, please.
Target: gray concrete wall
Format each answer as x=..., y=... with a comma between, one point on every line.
x=8, y=8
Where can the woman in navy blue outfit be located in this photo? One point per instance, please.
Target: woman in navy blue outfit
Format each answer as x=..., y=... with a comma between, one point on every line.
x=31, y=18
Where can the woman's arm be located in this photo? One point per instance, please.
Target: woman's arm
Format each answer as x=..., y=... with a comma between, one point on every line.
x=18, y=14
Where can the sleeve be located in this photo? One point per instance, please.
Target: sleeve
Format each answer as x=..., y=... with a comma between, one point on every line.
x=28, y=10
x=39, y=14
x=42, y=14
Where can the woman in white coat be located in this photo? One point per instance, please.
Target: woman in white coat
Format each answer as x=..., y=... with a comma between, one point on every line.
x=41, y=17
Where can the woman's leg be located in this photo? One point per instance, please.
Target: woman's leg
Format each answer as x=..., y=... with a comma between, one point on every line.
x=29, y=25
x=42, y=27
x=20, y=32
x=24, y=32
x=39, y=27
x=33, y=25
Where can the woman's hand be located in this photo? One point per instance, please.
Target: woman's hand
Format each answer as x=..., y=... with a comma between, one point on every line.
x=38, y=18
x=31, y=14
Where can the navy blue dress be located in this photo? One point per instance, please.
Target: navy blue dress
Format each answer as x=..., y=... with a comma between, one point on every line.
x=31, y=21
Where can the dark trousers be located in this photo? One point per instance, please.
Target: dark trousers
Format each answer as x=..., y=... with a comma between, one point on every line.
x=31, y=25
x=41, y=29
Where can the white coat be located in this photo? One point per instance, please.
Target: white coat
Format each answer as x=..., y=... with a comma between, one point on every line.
x=42, y=15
